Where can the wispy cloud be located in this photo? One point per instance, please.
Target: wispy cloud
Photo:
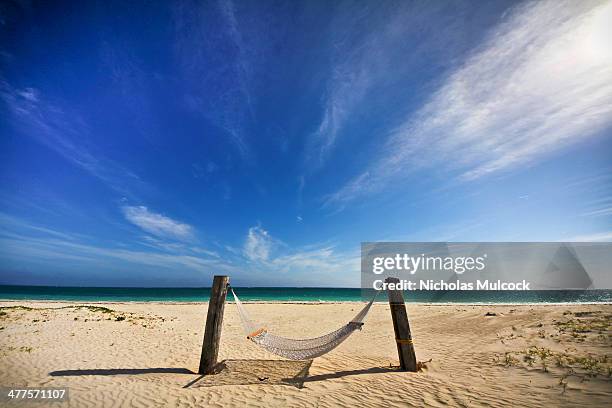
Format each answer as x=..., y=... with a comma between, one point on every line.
x=258, y=244
x=346, y=89
x=220, y=89
x=243, y=65
x=351, y=74
x=157, y=224
x=177, y=247
x=10, y=222
x=598, y=213
x=63, y=131
x=317, y=265
x=320, y=260
x=24, y=242
x=367, y=66
x=24, y=247
x=541, y=81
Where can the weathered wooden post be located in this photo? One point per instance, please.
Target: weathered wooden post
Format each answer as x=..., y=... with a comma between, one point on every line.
x=403, y=338
x=214, y=321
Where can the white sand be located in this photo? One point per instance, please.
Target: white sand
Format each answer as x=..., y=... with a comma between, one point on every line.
x=475, y=360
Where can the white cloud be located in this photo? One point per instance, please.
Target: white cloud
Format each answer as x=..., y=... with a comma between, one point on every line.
x=157, y=224
x=317, y=265
x=258, y=244
x=323, y=260
x=540, y=82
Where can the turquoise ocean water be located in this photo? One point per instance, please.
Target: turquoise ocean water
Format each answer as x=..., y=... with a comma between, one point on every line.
x=90, y=294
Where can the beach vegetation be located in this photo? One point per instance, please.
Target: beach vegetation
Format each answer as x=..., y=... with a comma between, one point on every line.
x=509, y=360
x=94, y=309
x=571, y=364
x=585, y=322
x=6, y=308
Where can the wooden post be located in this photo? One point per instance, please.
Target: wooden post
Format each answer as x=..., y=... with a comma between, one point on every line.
x=214, y=321
x=403, y=338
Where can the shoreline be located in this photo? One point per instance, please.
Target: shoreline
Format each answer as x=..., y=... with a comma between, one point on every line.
x=297, y=302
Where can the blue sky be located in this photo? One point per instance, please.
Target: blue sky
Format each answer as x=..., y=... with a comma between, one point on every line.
x=159, y=143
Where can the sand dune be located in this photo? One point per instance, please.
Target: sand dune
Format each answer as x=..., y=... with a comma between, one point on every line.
x=143, y=355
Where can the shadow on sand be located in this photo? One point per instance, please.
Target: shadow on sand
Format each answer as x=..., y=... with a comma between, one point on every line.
x=272, y=372
x=120, y=371
x=347, y=373
x=238, y=372
x=249, y=372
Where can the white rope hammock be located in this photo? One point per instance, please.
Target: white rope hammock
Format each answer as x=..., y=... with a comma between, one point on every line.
x=299, y=349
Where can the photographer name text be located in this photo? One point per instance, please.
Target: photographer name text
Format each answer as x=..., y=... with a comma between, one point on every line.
x=430, y=284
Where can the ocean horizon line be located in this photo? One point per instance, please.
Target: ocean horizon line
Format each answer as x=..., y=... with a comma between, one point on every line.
x=181, y=287
x=294, y=295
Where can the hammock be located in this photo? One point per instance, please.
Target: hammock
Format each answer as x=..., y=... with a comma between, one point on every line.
x=299, y=349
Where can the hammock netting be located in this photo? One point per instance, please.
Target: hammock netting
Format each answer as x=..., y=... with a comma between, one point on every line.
x=298, y=349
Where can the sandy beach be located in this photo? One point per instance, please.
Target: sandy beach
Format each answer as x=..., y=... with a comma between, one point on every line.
x=147, y=354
